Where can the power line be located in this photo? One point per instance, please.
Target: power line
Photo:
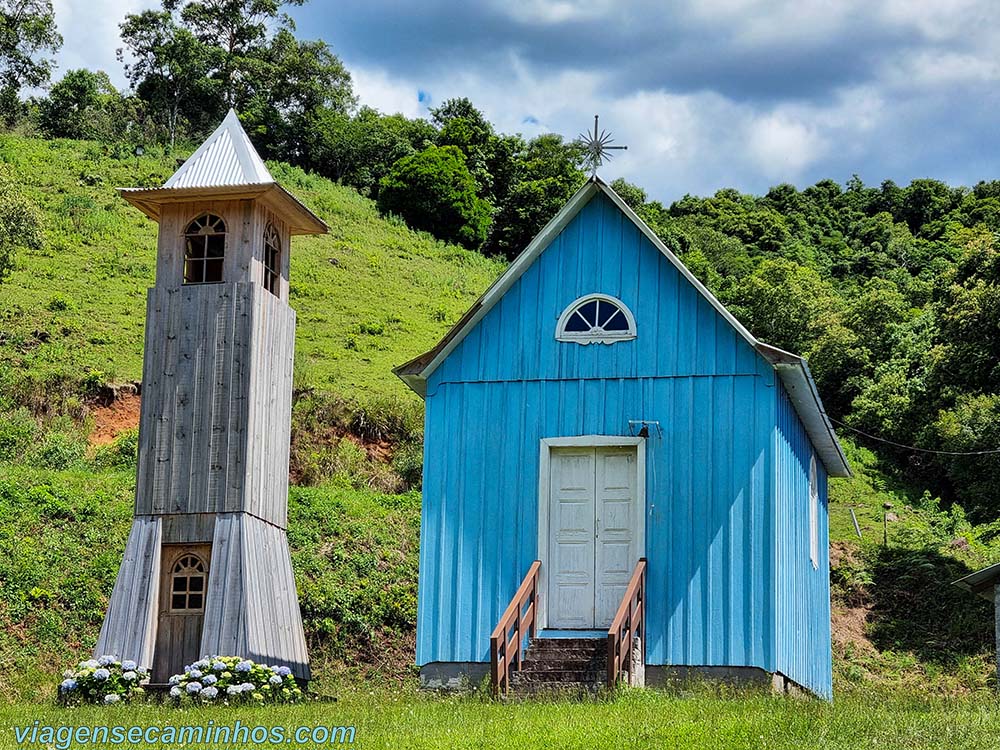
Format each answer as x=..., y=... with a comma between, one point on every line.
x=913, y=447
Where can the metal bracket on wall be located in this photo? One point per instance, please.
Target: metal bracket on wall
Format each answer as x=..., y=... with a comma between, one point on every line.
x=643, y=428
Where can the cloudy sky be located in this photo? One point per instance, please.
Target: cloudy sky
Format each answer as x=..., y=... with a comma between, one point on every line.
x=705, y=93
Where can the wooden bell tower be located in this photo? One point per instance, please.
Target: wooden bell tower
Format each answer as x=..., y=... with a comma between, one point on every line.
x=207, y=568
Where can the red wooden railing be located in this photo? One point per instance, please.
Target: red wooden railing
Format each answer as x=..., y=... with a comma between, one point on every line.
x=505, y=649
x=629, y=623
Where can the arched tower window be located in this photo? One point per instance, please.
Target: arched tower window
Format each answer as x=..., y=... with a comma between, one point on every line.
x=272, y=260
x=596, y=318
x=187, y=584
x=204, y=250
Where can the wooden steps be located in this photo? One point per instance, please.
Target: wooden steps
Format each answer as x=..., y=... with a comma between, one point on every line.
x=574, y=666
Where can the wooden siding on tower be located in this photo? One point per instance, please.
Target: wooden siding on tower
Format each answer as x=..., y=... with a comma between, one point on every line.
x=217, y=381
x=252, y=608
x=129, y=629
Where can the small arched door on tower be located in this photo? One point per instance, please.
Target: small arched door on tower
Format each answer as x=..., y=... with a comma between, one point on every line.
x=183, y=586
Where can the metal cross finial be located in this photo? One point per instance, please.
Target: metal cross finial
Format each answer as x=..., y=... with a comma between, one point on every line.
x=597, y=145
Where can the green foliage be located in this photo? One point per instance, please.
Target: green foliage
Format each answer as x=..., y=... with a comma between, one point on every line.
x=20, y=224
x=233, y=680
x=122, y=453
x=434, y=191
x=59, y=450
x=78, y=106
x=103, y=681
x=17, y=434
x=27, y=37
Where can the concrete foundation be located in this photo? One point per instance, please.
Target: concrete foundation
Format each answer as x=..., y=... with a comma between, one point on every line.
x=462, y=675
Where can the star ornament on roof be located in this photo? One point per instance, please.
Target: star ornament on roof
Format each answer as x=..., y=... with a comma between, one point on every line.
x=597, y=146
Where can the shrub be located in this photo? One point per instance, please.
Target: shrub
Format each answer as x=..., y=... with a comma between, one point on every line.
x=58, y=450
x=17, y=431
x=123, y=453
x=232, y=679
x=434, y=191
x=103, y=681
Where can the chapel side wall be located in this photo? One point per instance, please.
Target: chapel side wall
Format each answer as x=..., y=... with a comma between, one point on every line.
x=802, y=592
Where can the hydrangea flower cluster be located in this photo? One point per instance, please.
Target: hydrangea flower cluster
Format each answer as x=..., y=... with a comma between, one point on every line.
x=104, y=680
x=232, y=679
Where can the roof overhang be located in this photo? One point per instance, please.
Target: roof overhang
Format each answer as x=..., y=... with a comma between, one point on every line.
x=300, y=219
x=791, y=369
x=981, y=583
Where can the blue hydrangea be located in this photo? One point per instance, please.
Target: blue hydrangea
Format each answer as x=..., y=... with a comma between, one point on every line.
x=275, y=680
x=67, y=685
x=195, y=674
x=174, y=679
x=248, y=687
x=209, y=679
x=193, y=687
x=218, y=665
x=129, y=676
x=102, y=674
x=129, y=666
x=284, y=671
x=89, y=664
x=175, y=692
x=106, y=660
x=201, y=664
x=234, y=690
x=244, y=666
x=209, y=692
x=112, y=698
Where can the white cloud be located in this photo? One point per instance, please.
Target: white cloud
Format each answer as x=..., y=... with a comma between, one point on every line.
x=376, y=88
x=783, y=147
x=90, y=34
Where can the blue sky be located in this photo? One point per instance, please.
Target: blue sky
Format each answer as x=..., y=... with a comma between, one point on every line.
x=707, y=93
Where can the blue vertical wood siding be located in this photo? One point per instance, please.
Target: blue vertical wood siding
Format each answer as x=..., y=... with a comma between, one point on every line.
x=803, y=592
x=710, y=478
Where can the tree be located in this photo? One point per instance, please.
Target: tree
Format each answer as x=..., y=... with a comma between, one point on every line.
x=169, y=70
x=20, y=225
x=77, y=105
x=297, y=79
x=434, y=191
x=28, y=36
x=236, y=33
x=192, y=61
x=548, y=174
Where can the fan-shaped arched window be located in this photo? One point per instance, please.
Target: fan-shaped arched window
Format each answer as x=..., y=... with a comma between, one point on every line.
x=596, y=318
x=272, y=260
x=187, y=584
x=204, y=250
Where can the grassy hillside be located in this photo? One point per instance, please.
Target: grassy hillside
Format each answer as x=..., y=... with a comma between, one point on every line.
x=369, y=295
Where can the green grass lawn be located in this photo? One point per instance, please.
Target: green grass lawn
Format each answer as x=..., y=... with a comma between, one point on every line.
x=634, y=719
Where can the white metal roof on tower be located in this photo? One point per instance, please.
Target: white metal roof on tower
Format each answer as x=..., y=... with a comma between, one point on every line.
x=226, y=158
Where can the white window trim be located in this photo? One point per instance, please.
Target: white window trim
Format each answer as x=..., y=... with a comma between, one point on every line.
x=600, y=336
x=813, y=512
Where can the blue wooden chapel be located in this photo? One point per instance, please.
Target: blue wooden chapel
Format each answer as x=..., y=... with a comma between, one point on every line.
x=597, y=407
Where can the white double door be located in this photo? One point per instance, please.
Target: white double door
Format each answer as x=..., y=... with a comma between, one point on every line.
x=594, y=517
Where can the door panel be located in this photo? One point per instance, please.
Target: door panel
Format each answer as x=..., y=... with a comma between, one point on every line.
x=617, y=516
x=182, y=608
x=593, y=516
x=571, y=534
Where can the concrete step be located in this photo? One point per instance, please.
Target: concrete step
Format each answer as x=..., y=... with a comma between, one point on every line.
x=559, y=675
x=536, y=663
